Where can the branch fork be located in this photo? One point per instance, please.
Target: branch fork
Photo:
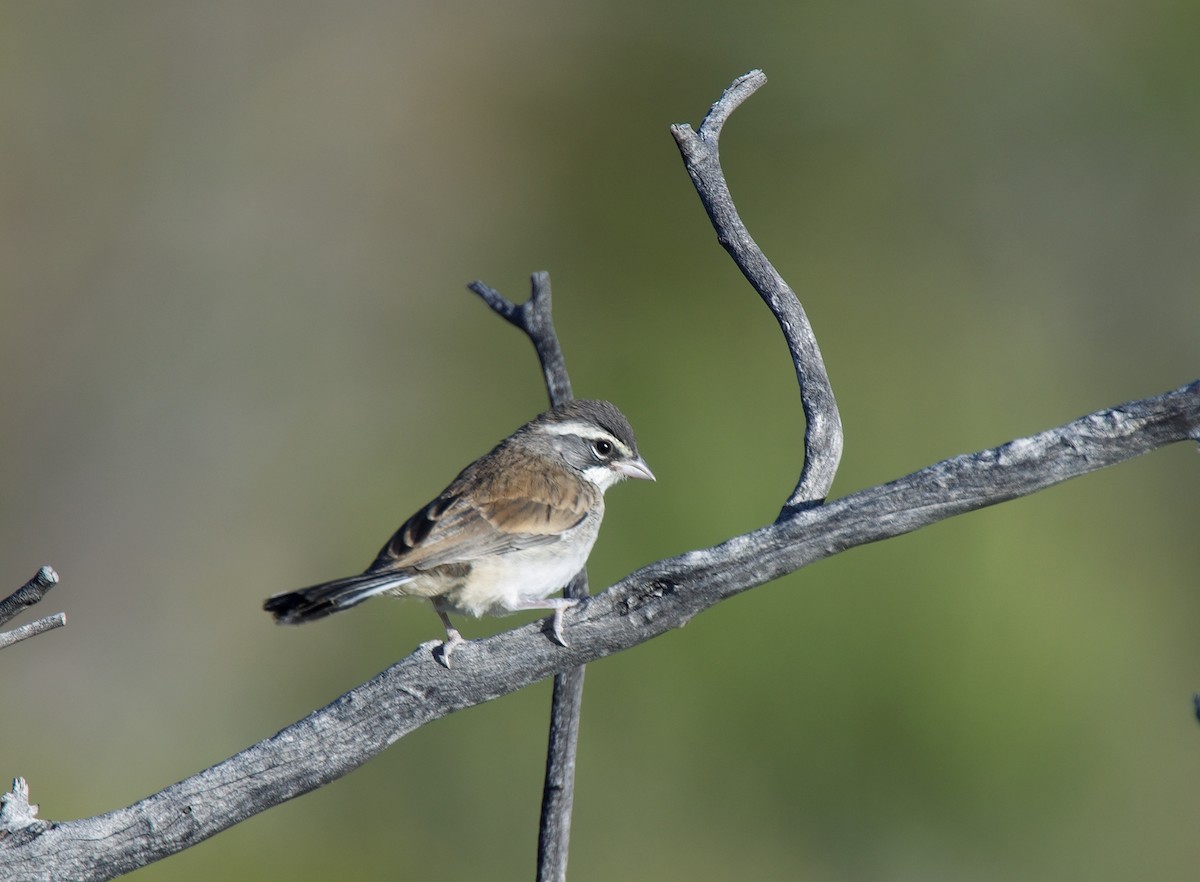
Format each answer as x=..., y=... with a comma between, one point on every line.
x=340, y=737
x=20, y=600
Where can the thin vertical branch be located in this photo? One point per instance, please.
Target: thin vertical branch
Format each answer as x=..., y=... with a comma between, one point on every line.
x=535, y=319
x=558, y=789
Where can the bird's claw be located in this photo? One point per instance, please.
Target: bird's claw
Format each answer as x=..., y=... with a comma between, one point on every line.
x=556, y=621
x=441, y=652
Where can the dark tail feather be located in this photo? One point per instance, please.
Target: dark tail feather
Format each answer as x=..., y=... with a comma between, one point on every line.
x=307, y=604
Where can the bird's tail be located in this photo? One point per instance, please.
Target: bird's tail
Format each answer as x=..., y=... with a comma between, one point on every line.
x=307, y=604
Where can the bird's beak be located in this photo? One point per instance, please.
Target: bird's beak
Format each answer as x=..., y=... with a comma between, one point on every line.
x=635, y=468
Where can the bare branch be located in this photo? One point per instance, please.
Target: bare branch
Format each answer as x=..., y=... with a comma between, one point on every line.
x=823, y=425
x=533, y=317
x=20, y=600
x=17, y=817
x=558, y=788
x=28, y=594
x=345, y=734
x=338, y=738
x=40, y=626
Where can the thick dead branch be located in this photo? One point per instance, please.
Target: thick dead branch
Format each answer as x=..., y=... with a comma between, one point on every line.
x=340, y=737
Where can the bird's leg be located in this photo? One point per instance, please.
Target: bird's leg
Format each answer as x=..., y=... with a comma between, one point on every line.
x=559, y=604
x=453, y=638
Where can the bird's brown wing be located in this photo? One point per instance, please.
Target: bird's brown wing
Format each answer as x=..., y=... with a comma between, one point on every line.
x=545, y=502
x=514, y=510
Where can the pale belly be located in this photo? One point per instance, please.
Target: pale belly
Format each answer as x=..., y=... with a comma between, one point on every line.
x=499, y=585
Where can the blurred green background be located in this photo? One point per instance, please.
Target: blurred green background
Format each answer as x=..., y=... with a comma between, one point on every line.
x=236, y=352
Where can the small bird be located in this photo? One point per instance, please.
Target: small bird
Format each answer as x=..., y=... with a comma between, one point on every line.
x=514, y=526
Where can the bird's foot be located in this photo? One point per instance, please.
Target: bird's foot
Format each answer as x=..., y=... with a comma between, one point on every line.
x=556, y=623
x=560, y=605
x=441, y=652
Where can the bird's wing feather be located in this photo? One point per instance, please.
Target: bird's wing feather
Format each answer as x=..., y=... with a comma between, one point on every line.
x=517, y=509
x=543, y=503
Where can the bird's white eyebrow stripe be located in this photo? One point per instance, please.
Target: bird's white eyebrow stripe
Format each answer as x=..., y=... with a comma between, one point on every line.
x=583, y=430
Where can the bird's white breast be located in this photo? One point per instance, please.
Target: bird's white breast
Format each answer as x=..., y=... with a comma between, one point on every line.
x=497, y=584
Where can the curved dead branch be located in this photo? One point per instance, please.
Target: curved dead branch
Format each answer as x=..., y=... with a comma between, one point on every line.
x=823, y=425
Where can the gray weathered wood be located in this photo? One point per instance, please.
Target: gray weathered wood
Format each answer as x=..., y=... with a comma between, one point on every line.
x=20, y=600
x=566, y=704
x=345, y=734
x=28, y=594
x=822, y=423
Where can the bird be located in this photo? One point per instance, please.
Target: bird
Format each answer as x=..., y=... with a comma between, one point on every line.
x=512, y=528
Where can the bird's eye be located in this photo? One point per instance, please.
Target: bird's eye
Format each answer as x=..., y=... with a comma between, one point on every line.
x=603, y=448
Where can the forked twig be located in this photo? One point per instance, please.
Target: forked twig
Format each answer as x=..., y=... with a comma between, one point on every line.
x=534, y=318
x=20, y=600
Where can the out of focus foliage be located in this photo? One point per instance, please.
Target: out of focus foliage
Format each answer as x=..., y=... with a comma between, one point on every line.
x=236, y=351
